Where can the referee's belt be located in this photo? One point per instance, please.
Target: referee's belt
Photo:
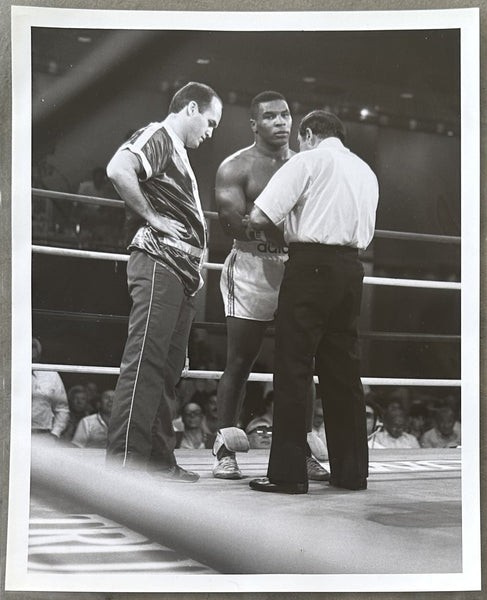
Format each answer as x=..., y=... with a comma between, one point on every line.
x=180, y=245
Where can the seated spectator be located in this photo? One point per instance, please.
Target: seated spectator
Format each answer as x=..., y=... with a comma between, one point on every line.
x=373, y=416
x=93, y=396
x=318, y=424
x=317, y=437
x=445, y=433
x=210, y=415
x=259, y=433
x=78, y=408
x=50, y=410
x=393, y=435
x=193, y=437
x=418, y=420
x=92, y=431
x=259, y=429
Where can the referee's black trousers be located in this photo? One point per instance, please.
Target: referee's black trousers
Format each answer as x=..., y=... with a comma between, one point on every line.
x=319, y=306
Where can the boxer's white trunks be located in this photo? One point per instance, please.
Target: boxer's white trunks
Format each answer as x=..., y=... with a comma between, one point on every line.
x=250, y=280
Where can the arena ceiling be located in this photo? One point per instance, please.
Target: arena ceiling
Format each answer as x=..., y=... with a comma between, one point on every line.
x=404, y=74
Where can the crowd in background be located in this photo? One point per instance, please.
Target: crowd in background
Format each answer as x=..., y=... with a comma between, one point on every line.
x=401, y=417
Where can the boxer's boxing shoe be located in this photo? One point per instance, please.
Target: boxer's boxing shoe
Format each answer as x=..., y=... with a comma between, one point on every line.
x=228, y=441
x=315, y=471
x=227, y=468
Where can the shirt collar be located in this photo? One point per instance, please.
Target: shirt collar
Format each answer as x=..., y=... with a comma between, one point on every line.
x=331, y=142
x=178, y=142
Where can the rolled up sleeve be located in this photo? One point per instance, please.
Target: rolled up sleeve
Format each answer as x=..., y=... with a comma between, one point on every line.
x=284, y=190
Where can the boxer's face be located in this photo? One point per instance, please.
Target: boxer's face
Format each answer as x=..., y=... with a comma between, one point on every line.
x=273, y=122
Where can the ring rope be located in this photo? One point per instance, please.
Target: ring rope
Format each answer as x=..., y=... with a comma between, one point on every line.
x=379, y=233
x=263, y=377
x=389, y=281
x=77, y=198
x=222, y=328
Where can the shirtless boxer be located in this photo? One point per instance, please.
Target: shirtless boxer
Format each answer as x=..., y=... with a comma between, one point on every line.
x=252, y=272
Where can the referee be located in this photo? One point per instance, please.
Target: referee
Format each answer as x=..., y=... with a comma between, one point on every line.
x=326, y=199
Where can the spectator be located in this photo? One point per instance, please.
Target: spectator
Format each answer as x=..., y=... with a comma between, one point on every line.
x=373, y=416
x=317, y=436
x=318, y=420
x=259, y=429
x=78, y=408
x=418, y=420
x=93, y=396
x=193, y=437
x=393, y=435
x=177, y=401
x=92, y=431
x=50, y=411
x=210, y=415
x=445, y=433
x=259, y=433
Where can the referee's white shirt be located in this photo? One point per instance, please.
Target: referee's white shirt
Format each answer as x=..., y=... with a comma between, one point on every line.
x=326, y=195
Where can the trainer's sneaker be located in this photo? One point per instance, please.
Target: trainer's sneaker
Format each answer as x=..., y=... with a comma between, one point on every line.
x=226, y=467
x=315, y=471
x=177, y=474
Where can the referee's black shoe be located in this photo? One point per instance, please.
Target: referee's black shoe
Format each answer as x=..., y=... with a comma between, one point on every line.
x=264, y=485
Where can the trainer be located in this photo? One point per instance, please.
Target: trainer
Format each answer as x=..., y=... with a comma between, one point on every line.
x=152, y=174
x=326, y=198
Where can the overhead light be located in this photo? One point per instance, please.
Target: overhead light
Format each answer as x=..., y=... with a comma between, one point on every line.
x=364, y=113
x=84, y=39
x=309, y=79
x=203, y=61
x=407, y=95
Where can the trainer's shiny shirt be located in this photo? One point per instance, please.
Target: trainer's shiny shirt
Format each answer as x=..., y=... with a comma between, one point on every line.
x=326, y=195
x=170, y=187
